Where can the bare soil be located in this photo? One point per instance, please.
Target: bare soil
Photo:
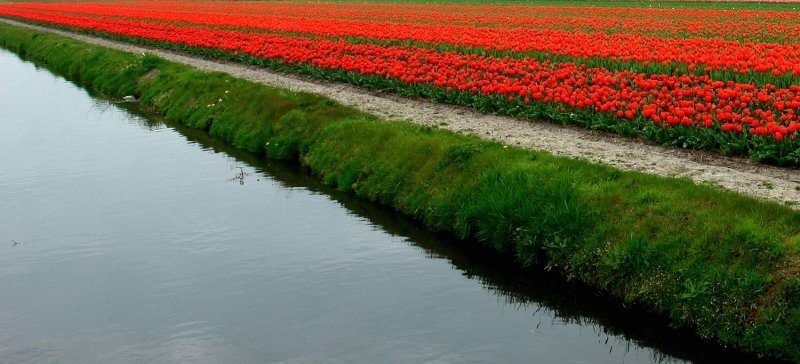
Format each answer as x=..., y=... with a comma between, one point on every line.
x=738, y=174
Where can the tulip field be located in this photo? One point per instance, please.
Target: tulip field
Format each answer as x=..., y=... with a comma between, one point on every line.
x=716, y=79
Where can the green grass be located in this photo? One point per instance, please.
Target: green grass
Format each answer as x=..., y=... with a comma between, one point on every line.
x=721, y=263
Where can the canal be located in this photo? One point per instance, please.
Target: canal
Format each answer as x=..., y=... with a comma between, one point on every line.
x=123, y=239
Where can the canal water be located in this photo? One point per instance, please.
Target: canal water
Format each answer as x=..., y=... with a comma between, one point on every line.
x=126, y=240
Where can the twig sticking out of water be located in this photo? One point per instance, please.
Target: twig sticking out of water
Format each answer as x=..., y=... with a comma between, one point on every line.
x=240, y=176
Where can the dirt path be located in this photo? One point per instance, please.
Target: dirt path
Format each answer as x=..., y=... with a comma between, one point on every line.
x=767, y=182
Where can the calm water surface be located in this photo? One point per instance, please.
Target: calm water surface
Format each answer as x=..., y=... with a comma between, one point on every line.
x=137, y=242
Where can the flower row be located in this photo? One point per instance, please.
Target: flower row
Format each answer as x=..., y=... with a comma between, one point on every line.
x=690, y=102
x=709, y=54
x=752, y=25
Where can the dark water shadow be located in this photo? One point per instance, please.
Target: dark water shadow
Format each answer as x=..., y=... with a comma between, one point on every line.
x=524, y=288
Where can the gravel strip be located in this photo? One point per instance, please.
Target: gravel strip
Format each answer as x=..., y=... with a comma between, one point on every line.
x=737, y=174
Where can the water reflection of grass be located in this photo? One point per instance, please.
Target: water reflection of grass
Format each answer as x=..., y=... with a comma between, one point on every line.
x=546, y=294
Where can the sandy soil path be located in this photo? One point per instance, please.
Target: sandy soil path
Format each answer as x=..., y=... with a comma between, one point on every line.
x=737, y=174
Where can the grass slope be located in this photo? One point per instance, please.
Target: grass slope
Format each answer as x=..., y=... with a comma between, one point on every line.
x=721, y=263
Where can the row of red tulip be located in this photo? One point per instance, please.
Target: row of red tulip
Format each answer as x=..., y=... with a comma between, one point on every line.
x=709, y=54
x=694, y=101
x=751, y=25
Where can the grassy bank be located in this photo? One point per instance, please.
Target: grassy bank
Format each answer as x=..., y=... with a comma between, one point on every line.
x=723, y=264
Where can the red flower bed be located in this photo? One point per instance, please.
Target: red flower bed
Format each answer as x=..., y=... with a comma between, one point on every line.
x=690, y=109
x=709, y=53
x=752, y=25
